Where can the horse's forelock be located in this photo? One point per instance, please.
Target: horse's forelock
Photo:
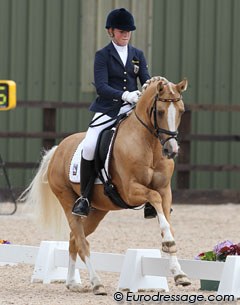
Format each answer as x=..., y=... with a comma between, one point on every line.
x=152, y=80
x=170, y=86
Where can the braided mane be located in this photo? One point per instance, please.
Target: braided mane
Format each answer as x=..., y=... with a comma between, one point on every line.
x=151, y=80
x=157, y=78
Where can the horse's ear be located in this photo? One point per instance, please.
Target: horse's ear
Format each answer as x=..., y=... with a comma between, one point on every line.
x=182, y=86
x=160, y=86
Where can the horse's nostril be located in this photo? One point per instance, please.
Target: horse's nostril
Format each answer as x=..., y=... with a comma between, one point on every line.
x=172, y=155
x=165, y=152
x=168, y=154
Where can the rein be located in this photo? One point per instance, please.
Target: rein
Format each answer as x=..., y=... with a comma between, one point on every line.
x=158, y=130
x=112, y=119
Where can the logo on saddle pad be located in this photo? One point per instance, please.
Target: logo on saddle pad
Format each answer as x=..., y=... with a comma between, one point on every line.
x=75, y=169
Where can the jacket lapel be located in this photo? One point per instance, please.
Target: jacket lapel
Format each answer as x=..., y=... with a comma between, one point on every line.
x=130, y=55
x=114, y=53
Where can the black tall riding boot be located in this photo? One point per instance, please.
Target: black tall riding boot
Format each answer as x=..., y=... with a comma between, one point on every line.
x=87, y=175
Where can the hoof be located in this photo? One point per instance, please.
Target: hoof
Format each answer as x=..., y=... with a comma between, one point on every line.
x=182, y=280
x=99, y=290
x=169, y=247
x=74, y=287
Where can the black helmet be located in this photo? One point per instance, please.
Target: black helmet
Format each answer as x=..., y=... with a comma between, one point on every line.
x=120, y=19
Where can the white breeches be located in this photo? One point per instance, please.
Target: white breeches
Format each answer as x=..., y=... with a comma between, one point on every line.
x=92, y=134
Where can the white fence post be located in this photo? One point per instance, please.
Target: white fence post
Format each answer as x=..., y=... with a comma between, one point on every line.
x=132, y=277
x=45, y=269
x=230, y=279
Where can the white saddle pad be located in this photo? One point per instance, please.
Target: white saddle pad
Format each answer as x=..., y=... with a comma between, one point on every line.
x=74, y=172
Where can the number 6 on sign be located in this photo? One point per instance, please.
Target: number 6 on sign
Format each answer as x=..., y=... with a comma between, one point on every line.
x=7, y=94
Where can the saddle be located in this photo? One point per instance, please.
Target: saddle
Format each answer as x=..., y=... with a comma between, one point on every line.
x=103, y=152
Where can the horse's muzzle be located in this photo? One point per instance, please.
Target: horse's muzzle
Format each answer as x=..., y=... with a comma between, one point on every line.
x=170, y=149
x=169, y=155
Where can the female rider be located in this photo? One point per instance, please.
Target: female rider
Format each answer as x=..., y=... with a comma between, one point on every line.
x=117, y=67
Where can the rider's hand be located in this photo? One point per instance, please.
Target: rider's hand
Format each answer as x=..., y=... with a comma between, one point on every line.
x=131, y=97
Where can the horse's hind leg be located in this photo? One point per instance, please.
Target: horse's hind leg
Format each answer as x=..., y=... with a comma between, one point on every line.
x=70, y=282
x=90, y=224
x=92, y=221
x=78, y=244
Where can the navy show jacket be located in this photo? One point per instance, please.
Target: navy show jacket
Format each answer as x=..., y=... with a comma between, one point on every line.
x=112, y=78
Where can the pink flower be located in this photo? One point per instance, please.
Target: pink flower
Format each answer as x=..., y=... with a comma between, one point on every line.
x=220, y=252
x=222, y=247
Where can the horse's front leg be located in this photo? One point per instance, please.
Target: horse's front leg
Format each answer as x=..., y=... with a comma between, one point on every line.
x=168, y=242
x=163, y=213
x=169, y=246
x=139, y=193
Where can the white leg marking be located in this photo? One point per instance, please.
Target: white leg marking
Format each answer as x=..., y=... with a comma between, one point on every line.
x=175, y=267
x=94, y=278
x=71, y=271
x=165, y=228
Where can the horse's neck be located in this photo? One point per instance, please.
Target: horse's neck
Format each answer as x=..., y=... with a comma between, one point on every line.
x=145, y=103
x=132, y=128
x=142, y=115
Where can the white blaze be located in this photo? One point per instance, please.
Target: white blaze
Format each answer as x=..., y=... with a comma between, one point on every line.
x=172, y=125
x=172, y=117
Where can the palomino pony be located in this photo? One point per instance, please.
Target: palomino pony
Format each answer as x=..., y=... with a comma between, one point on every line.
x=141, y=169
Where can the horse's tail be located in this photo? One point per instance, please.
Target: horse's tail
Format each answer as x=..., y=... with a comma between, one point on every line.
x=41, y=203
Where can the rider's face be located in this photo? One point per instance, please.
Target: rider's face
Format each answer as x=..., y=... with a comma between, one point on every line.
x=120, y=37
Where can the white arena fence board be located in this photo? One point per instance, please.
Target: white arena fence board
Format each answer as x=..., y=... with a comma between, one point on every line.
x=195, y=269
x=18, y=254
x=22, y=254
x=108, y=262
x=138, y=268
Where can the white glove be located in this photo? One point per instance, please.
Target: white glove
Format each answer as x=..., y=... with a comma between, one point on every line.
x=131, y=97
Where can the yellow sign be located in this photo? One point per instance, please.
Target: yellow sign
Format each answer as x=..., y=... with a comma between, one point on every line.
x=7, y=94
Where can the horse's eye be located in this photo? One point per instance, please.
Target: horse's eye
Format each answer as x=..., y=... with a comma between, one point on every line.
x=161, y=112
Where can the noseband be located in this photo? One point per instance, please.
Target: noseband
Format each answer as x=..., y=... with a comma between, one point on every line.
x=158, y=130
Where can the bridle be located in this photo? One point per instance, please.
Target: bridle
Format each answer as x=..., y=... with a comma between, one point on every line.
x=157, y=131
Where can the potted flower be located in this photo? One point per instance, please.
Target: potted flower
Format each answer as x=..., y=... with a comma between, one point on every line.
x=219, y=253
x=3, y=242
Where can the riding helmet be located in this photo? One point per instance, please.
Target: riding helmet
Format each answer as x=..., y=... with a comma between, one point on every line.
x=120, y=19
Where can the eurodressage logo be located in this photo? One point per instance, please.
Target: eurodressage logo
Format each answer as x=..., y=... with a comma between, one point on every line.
x=158, y=298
